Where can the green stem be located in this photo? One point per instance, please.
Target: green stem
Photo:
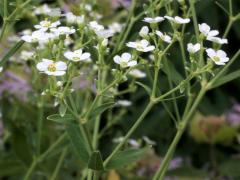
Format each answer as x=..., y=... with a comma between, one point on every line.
x=39, y=128
x=130, y=132
x=181, y=128
x=30, y=170
x=59, y=164
x=192, y=7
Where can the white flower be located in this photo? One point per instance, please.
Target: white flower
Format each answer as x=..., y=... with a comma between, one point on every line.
x=144, y=31
x=63, y=30
x=71, y=18
x=137, y=73
x=206, y=30
x=88, y=7
x=178, y=20
x=46, y=25
x=36, y=36
x=1, y=69
x=95, y=26
x=44, y=9
x=142, y=46
x=125, y=60
x=115, y=27
x=77, y=55
x=124, y=103
x=193, y=48
x=26, y=55
x=164, y=37
x=217, y=40
x=52, y=68
x=153, y=20
x=103, y=34
x=219, y=57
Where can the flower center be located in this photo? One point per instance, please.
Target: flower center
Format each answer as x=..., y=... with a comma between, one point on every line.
x=46, y=24
x=216, y=58
x=124, y=64
x=52, y=67
x=139, y=46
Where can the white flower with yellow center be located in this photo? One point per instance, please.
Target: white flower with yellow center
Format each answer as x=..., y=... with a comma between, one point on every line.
x=36, y=36
x=178, y=20
x=115, y=27
x=95, y=26
x=193, y=48
x=143, y=46
x=164, y=37
x=77, y=55
x=46, y=25
x=218, y=56
x=153, y=20
x=125, y=60
x=52, y=68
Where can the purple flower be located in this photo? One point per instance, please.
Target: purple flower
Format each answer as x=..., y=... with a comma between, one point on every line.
x=13, y=84
x=233, y=116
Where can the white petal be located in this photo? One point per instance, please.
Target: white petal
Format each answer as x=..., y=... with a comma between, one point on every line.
x=144, y=42
x=42, y=66
x=211, y=53
x=126, y=56
x=213, y=33
x=58, y=73
x=159, y=33
x=85, y=56
x=149, y=48
x=221, y=54
x=131, y=44
x=61, y=66
x=132, y=63
x=181, y=20
x=47, y=61
x=69, y=55
x=117, y=59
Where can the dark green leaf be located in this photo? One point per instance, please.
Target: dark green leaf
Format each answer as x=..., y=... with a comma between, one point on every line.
x=126, y=157
x=67, y=118
x=78, y=143
x=11, y=52
x=171, y=72
x=95, y=161
x=227, y=78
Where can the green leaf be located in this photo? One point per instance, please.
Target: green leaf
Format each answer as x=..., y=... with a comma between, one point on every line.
x=95, y=161
x=11, y=52
x=230, y=168
x=78, y=143
x=147, y=89
x=227, y=78
x=126, y=157
x=171, y=71
x=100, y=109
x=67, y=118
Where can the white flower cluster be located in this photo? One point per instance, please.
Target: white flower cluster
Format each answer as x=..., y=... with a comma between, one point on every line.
x=219, y=57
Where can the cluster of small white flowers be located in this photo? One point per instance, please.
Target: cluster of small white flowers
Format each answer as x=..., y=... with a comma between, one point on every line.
x=47, y=31
x=219, y=57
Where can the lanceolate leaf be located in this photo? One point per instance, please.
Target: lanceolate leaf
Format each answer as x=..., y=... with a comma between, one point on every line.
x=78, y=143
x=95, y=161
x=100, y=109
x=227, y=78
x=67, y=118
x=126, y=157
x=11, y=52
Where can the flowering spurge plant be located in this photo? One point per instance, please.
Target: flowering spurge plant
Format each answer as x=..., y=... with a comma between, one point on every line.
x=79, y=104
